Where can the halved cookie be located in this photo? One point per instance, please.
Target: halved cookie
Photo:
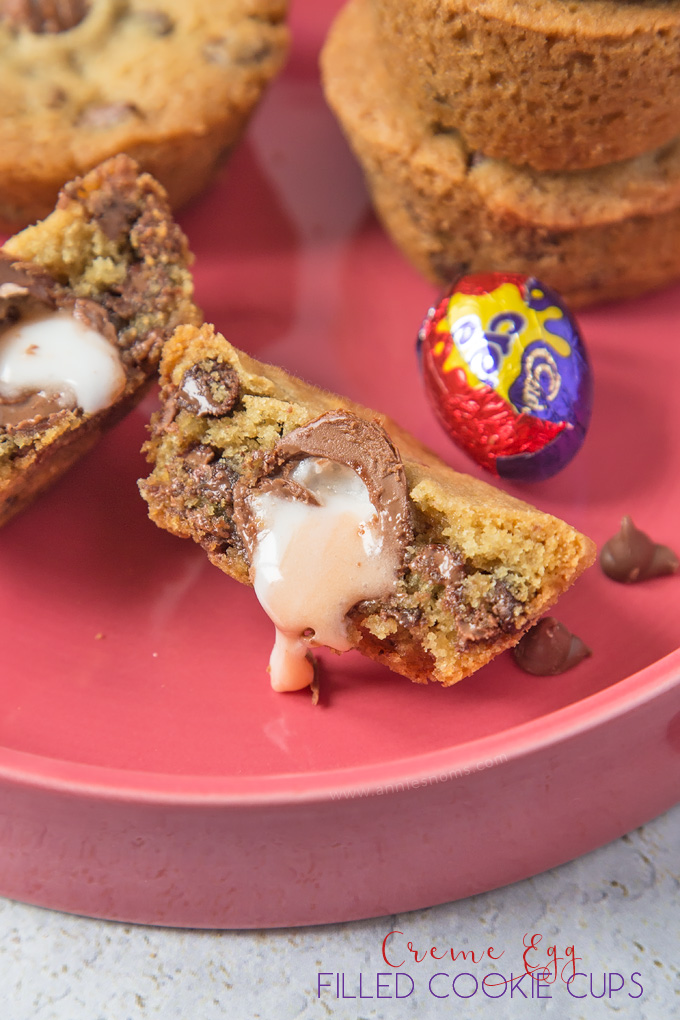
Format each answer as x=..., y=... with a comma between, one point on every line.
x=87, y=299
x=353, y=533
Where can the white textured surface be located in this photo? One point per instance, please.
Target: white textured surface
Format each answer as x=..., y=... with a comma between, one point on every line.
x=619, y=907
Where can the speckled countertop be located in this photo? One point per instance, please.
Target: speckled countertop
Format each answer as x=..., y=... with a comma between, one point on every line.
x=618, y=907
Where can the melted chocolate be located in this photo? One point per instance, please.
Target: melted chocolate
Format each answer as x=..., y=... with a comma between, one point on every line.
x=209, y=389
x=205, y=494
x=289, y=488
x=94, y=317
x=19, y=279
x=343, y=437
x=30, y=409
x=444, y=570
x=632, y=556
x=485, y=622
x=549, y=648
x=439, y=564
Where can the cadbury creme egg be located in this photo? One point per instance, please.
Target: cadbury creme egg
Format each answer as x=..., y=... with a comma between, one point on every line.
x=507, y=374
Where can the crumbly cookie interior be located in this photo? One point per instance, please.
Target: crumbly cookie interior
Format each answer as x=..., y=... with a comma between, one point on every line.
x=111, y=240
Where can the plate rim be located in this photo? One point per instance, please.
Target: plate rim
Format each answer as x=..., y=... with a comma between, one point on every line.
x=182, y=790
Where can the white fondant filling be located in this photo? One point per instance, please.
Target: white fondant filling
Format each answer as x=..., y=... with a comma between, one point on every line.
x=311, y=564
x=58, y=355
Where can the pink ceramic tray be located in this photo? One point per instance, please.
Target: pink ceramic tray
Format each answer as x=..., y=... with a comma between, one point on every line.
x=148, y=772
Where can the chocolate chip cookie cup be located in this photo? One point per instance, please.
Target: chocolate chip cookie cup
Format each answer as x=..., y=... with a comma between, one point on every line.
x=594, y=235
x=543, y=83
x=353, y=534
x=170, y=84
x=87, y=298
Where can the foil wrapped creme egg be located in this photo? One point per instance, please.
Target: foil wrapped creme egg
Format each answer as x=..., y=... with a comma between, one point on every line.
x=506, y=371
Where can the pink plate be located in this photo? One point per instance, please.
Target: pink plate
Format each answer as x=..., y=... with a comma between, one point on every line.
x=147, y=771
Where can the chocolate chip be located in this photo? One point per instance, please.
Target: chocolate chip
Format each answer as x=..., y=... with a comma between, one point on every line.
x=228, y=51
x=549, y=648
x=203, y=494
x=210, y=388
x=57, y=98
x=504, y=605
x=92, y=315
x=26, y=278
x=114, y=215
x=438, y=564
x=199, y=456
x=475, y=159
x=44, y=16
x=494, y=616
x=632, y=556
x=156, y=22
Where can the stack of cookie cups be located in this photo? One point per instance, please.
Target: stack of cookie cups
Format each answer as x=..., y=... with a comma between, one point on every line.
x=534, y=136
